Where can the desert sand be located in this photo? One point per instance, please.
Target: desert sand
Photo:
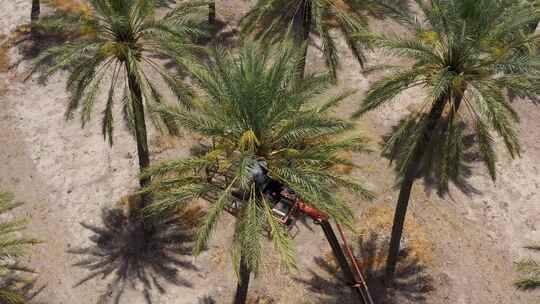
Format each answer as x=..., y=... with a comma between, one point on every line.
x=65, y=174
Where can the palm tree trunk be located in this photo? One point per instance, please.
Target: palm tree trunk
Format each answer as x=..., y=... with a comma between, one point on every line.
x=340, y=257
x=36, y=8
x=303, y=26
x=140, y=125
x=34, y=16
x=407, y=184
x=243, y=283
x=212, y=12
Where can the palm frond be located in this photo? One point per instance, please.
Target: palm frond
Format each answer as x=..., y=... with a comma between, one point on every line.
x=530, y=269
x=283, y=20
x=254, y=108
x=126, y=36
x=466, y=55
x=388, y=88
x=12, y=247
x=210, y=220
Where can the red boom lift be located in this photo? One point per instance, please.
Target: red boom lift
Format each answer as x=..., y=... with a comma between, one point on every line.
x=287, y=207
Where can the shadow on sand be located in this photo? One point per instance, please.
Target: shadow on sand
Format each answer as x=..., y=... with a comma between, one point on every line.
x=131, y=253
x=443, y=162
x=206, y=300
x=410, y=285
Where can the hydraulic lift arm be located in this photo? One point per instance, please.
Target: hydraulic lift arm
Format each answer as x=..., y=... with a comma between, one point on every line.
x=355, y=281
x=287, y=203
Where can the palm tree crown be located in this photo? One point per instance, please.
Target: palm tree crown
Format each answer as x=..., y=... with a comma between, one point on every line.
x=255, y=108
x=466, y=54
x=276, y=19
x=121, y=39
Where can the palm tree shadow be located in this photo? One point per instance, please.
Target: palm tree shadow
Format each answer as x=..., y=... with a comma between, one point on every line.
x=32, y=44
x=206, y=300
x=42, y=41
x=30, y=291
x=134, y=252
x=29, y=46
x=433, y=170
x=410, y=285
x=219, y=33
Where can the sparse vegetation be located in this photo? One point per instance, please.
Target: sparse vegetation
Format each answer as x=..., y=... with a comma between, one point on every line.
x=530, y=269
x=4, y=58
x=12, y=248
x=245, y=126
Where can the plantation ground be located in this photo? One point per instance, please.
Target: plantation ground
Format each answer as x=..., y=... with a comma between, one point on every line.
x=463, y=246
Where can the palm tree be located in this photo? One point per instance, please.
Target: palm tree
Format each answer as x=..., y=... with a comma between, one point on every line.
x=465, y=53
x=12, y=247
x=121, y=42
x=257, y=116
x=212, y=12
x=276, y=19
x=34, y=15
x=531, y=269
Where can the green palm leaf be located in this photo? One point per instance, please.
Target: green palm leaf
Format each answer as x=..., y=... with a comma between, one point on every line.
x=121, y=36
x=12, y=247
x=530, y=269
x=280, y=20
x=466, y=54
x=255, y=108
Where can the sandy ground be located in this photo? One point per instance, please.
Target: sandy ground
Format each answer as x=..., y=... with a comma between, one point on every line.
x=66, y=174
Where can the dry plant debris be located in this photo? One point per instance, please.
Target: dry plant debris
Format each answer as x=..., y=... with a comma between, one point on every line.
x=378, y=219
